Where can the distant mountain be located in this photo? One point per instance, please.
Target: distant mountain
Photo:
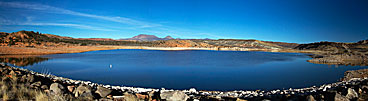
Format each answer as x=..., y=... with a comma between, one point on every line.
x=145, y=37
x=168, y=38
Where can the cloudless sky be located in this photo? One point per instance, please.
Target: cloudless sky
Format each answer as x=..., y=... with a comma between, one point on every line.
x=299, y=21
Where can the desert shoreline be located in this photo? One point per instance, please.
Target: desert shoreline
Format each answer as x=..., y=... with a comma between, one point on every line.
x=6, y=50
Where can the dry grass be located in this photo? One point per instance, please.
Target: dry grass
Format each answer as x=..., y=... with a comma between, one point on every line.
x=13, y=89
x=40, y=96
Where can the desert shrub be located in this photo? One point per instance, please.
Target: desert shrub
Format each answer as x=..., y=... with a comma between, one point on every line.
x=83, y=44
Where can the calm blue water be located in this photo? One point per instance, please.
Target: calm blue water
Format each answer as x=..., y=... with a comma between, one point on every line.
x=204, y=70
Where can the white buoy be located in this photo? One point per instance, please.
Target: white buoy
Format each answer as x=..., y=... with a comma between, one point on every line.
x=110, y=66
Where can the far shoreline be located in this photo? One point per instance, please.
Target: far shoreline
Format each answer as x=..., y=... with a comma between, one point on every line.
x=6, y=50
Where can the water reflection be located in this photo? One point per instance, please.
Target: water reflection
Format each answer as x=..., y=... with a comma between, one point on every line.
x=22, y=60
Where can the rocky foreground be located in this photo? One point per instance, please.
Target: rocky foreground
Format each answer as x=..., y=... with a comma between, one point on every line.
x=21, y=84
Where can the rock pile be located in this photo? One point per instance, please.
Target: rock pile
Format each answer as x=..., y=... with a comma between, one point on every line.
x=353, y=87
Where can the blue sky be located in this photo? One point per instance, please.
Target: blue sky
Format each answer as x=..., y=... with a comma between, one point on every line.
x=299, y=21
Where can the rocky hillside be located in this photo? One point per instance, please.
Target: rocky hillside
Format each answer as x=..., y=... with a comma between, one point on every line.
x=335, y=46
x=283, y=44
x=27, y=39
x=358, y=48
x=179, y=43
x=36, y=39
x=223, y=43
x=338, y=53
x=248, y=44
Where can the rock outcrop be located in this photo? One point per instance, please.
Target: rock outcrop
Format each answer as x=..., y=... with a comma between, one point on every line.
x=353, y=74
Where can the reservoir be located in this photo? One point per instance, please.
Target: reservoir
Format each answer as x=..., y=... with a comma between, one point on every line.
x=200, y=69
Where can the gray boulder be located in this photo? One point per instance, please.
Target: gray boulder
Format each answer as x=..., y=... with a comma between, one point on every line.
x=30, y=78
x=44, y=87
x=339, y=97
x=57, y=89
x=130, y=97
x=36, y=84
x=23, y=78
x=70, y=88
x=310, y=98
x=102, y=91
x=13, y=73
x=352, y=94
x=83, y=91
x=174, y=96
